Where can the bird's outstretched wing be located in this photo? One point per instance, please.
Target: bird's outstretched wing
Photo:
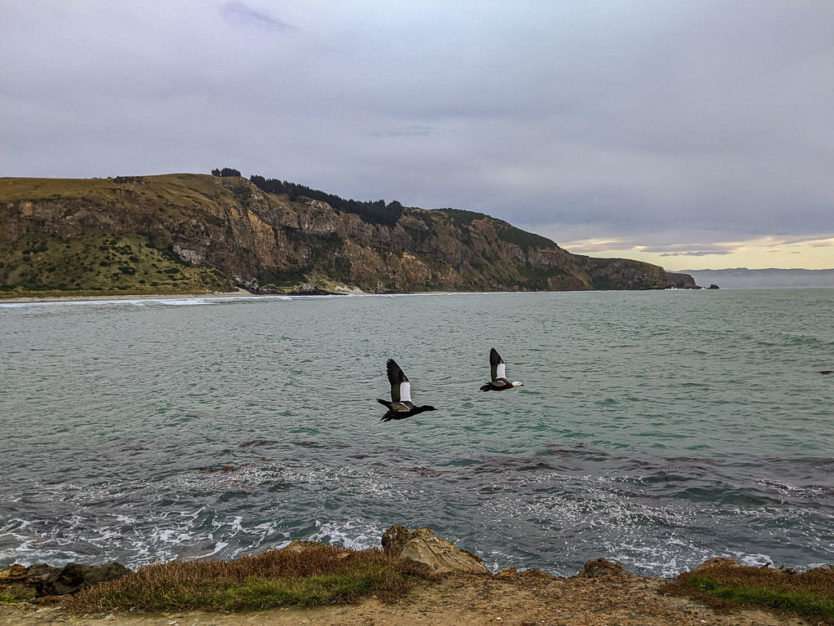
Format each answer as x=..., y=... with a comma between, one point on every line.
x=496, y=365
x=400, y=387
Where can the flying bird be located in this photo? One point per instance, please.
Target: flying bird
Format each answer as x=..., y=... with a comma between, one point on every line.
x=498, y=371
x=401, y=405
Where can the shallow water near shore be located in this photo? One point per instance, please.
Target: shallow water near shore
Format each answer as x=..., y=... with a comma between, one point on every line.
x=654, y=428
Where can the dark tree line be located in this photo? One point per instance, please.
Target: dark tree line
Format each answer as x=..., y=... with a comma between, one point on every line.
x=226, y=171
x=375, y=212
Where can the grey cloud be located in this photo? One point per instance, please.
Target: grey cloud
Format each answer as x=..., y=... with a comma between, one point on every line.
x=240, y=13
x=669, y=121
x=414, y=130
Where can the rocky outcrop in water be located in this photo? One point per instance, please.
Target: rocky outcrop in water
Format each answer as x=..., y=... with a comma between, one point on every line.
x=424, y=547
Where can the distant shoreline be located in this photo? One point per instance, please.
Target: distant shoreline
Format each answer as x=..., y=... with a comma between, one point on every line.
x=773, y=278
x=243, y=294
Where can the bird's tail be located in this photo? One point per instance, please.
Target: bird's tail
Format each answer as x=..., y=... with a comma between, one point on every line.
x=486, y=387
x=387, y=405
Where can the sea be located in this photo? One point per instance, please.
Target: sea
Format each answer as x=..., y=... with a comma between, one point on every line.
x=654, y=428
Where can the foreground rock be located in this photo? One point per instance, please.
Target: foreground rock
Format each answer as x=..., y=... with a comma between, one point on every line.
x=718, y=561
x=602, y=568
x=423, y=546
x=36, y=581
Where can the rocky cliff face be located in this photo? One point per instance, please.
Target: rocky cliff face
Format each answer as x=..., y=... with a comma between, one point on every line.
x=223, y=230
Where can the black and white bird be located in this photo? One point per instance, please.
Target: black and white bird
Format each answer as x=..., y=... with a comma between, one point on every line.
x=498, y=371
x=401, y=405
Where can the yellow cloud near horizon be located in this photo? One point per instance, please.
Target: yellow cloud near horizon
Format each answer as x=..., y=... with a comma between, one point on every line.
x=760, y=253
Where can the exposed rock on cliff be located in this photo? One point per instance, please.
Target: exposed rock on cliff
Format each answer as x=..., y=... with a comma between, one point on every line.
x=193, y=232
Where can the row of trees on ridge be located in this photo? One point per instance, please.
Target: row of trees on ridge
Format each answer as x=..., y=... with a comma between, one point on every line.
x=375, y=212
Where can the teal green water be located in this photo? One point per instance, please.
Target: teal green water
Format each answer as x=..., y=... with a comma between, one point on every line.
x=654, y=428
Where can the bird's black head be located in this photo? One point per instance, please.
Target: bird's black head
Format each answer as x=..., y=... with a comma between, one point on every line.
x=425, y=407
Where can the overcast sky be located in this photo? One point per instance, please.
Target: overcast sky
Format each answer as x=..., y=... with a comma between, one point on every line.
x=690, y=133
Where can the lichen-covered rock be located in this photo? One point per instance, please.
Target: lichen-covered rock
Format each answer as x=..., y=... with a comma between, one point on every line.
x=300, y=545
x=14, y=583
x=603, y=568
x=41, y=579
x=718, y=561
x=423, y=546
x=534, y=573
x=15, y=572
x=39, y=574
x=827, y=567
x=73, y=577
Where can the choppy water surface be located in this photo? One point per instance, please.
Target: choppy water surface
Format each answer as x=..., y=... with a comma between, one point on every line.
x=654, y=428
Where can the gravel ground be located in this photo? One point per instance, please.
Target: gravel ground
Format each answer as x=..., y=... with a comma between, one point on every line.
x=463, y=600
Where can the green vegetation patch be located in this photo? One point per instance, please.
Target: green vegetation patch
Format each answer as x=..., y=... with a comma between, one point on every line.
x=315, y=576
x=324, y=248
x=34, y=189
x=8, y=598
x=99, y=264
x=532, y=278
x=522, y=238
x=460, y=217
x=506, y=232
x=324, y=258
x=809, y=594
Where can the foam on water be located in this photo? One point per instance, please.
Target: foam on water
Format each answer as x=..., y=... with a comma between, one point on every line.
x=203, y=300
x=146, y=301
x=357, y=534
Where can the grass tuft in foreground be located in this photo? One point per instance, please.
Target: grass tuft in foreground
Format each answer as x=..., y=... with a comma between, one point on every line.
x=723, y=587
x=318, y=575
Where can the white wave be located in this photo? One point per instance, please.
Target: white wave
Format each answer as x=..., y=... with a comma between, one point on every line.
x=785, y=487
x=143, y=301
x=218, y=547
x=753, y=560
x=666, y=559
x=355, y=534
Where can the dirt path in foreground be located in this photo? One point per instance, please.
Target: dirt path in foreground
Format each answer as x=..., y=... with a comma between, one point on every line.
x=462, y=600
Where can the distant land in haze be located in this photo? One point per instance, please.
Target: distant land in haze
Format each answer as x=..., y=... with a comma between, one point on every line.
x=743, y=278
x=194, y=233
